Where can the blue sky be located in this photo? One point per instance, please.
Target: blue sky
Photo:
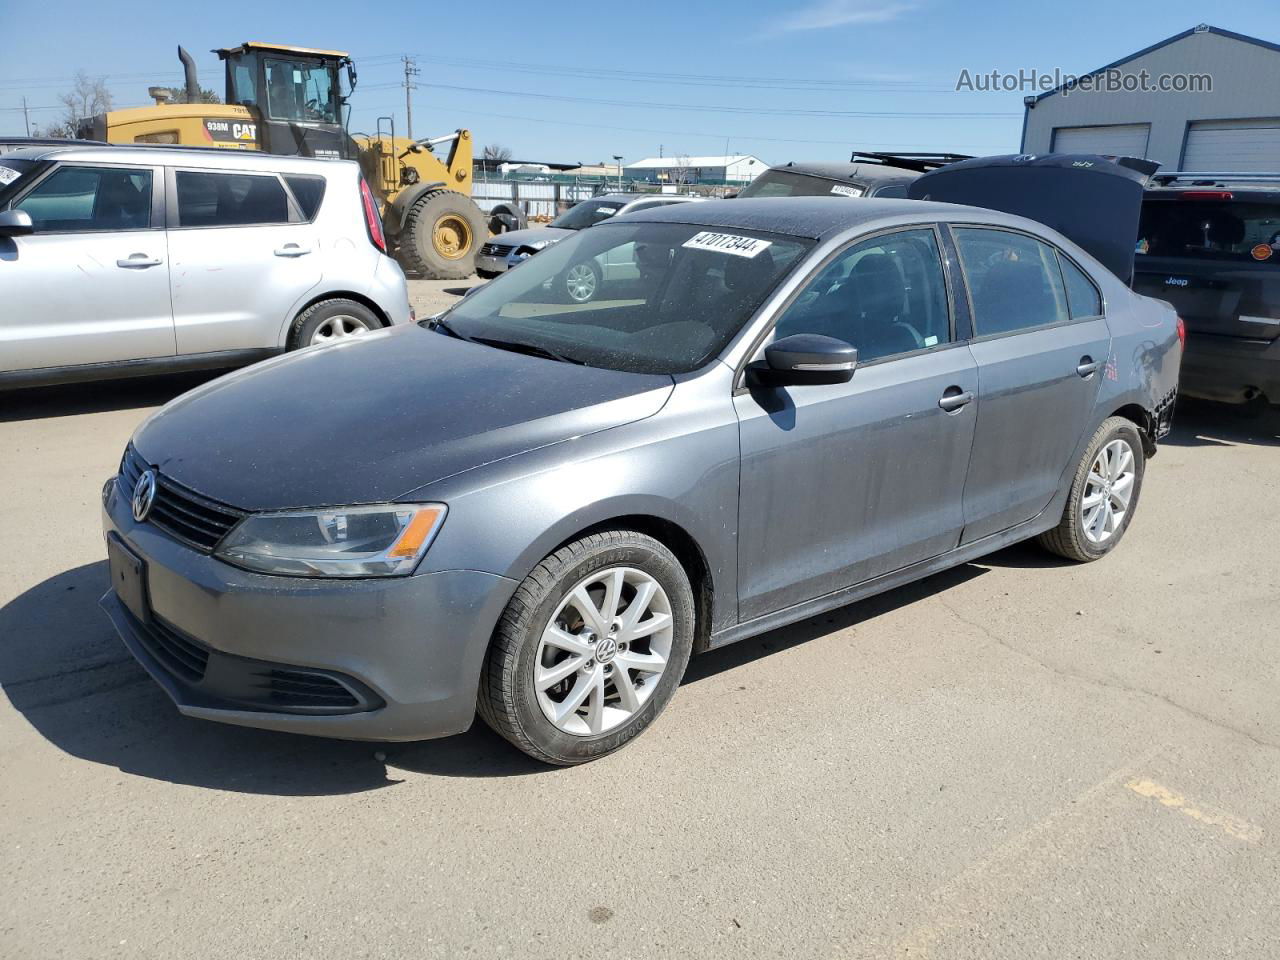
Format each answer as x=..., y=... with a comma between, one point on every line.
x=571, y=81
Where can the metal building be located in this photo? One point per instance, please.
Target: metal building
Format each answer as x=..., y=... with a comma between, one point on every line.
x=1234, y=125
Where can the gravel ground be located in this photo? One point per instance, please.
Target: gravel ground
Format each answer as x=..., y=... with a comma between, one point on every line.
x=1017, y=758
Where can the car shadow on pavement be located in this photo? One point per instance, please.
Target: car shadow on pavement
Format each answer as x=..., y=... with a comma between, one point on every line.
x=65, y=670
x=746, y=651
x=39, y=403
x=1202, y=423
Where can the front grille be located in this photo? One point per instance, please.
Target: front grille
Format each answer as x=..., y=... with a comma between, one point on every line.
x=180, y=655
x=179, y=511
x=494, y=250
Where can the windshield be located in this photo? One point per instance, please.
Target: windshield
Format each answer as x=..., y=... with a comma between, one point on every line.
x=588, y=213
x=302, y=91
x=784, y=183
x=1211, y=229
x=644, y=297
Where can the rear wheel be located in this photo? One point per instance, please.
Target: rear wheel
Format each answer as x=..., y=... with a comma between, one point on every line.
x=332, y=321
x=1104, y=494
x=440, y=234
x=590, y=649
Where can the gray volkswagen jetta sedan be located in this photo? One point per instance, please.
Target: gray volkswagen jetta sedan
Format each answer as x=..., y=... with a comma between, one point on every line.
x=537, y=510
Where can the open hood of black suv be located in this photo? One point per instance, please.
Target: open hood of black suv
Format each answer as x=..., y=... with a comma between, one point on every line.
x=1094, y=200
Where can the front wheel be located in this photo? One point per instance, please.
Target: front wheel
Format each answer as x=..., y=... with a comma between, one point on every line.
x=1104, y=494
x=590, y=649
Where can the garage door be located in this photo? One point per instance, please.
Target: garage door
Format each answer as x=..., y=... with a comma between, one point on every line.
x=1232, y=145
x=1116, y=140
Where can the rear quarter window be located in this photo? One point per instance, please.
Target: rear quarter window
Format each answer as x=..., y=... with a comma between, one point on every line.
x=308, y=192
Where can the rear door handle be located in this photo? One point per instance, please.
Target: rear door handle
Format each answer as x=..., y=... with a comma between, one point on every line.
x=292, y=250
x=137, y=260
x=951, y=402
x=1088, y=367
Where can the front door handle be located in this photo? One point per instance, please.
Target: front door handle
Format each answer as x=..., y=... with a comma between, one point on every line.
x=955, y=398
x=292, y=250
x=137, y=260
x=1088, y=366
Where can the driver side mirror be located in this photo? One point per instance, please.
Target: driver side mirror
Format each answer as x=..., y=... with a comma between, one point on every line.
x=15, y=223
x=803, y=359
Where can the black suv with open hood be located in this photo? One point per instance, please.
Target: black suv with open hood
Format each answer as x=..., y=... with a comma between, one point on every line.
x=1210, y=245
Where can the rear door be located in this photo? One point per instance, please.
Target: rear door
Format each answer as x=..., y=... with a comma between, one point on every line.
x=1215, y=256
x=1042, y=346
x=243, y=255
x=91, y=284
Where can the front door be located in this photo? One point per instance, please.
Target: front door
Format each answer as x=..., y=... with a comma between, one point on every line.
x=91, y=284
x=841, y=483
x=1042, y=348
x=242, y=257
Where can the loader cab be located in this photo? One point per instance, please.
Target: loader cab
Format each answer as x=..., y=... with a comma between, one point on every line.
x=295, y=94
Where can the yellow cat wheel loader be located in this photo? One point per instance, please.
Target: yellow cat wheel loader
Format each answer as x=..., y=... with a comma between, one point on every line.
x=288, y=100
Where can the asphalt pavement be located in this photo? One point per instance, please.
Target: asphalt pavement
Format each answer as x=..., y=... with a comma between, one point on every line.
x=1018, y=758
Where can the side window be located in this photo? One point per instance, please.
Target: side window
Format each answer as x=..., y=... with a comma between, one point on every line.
x=88, y=199
x=884, y=296
x=230, y=199
x=1083, y=299
x=1014, y=281
x=308, y=191
x=895, y=191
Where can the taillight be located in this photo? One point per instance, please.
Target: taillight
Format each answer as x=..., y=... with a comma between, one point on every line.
x=371, y=219
x=1205, y=195
x=1182, y=332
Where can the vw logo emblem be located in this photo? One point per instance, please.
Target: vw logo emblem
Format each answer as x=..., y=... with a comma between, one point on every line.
x=144, y=495
x=606, y=650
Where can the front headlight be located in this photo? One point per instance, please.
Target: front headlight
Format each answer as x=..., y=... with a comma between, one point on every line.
x=384, y=540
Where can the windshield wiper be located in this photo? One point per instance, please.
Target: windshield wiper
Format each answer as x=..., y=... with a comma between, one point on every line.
x=532, y=349
x=440, y=323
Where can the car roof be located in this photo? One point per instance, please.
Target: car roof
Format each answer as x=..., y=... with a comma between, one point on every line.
x=210, y=157
x=815, y=217
x=865, y=172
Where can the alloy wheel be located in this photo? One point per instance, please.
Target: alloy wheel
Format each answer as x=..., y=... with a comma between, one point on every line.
x=580, y=281
x=603, y=652
x=339, y=328
x=1107, y=492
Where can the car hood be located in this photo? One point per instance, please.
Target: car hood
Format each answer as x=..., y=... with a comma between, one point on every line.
x=374, y=420
x=516, y=238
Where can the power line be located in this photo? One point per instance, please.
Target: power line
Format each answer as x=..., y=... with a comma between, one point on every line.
x=724, y=108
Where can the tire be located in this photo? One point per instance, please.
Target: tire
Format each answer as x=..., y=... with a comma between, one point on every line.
x=418, y=251
x=487, y=274
x=507, y=216
x=1073, y=538
x=343, y=318
x=509, y=699
x=581, y=282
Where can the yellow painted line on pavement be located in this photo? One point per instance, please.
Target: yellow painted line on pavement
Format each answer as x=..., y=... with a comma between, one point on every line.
x=1233, y=826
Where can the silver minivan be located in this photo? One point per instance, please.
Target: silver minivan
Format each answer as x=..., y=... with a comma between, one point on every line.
x=118, y=260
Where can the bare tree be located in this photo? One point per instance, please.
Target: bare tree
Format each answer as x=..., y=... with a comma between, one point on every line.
x=86, y=98
x=680, y=172
x=496, y=153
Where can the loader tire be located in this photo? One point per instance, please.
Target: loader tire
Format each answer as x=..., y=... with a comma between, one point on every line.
x=440, y=236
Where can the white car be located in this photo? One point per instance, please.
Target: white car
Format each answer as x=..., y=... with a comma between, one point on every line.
x=118, y=261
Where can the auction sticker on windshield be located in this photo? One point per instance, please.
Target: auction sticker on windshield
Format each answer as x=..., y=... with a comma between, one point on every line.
x=844, y=191
x=8, y=175
x=727, y=243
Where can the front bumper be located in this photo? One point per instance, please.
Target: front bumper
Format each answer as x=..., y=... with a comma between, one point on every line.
x=1230, y=369
x=408, y=650
x=501, y=261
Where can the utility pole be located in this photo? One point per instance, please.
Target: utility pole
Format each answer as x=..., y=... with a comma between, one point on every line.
x=25, y=116
x=410, y=71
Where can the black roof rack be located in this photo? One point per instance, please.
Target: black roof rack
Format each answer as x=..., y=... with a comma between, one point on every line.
x=1209, y=178
x=920, y=162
